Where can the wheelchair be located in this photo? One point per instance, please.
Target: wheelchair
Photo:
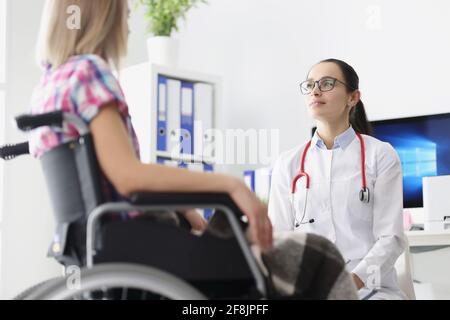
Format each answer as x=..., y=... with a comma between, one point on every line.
x=126, y=258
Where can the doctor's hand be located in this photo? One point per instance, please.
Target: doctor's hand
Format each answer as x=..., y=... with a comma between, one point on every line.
x=260, y=232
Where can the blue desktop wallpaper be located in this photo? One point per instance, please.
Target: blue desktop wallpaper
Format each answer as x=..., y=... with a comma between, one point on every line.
x=423, y=145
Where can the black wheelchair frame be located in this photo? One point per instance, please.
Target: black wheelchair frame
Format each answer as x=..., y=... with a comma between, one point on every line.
x=83, y=238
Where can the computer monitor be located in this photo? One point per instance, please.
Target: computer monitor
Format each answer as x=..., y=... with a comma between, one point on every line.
x=423, y=145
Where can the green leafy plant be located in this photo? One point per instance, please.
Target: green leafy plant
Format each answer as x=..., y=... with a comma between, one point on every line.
x=163, y=15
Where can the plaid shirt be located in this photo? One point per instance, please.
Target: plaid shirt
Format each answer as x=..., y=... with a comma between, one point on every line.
x=82, y=86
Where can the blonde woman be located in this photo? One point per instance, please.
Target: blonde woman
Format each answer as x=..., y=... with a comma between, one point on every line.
x=78, y=78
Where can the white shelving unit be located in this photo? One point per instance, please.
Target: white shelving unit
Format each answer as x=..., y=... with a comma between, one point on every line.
x=140, y=85
x=142, y=89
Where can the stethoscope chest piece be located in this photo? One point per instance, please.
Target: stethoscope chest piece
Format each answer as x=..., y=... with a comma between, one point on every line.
x=364, y=195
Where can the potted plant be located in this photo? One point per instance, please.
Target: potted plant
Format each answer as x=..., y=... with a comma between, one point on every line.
x=162, y=18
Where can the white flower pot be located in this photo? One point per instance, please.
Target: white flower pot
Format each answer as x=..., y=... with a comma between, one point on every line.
x=163, y=50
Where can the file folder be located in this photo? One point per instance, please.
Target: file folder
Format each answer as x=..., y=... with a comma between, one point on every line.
x=187, y=117
x=195, y=166
x=203, y=124
x=182, y=165
x=208, y=212
x=167, y=162
x=208, y=167
x=160, y=160
x=259, y=182
x=262, y=183
x=173, y=117
x=249, y=179
x=202, y=167
x=161, y=134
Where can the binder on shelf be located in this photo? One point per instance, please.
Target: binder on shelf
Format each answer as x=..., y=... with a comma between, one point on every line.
x=208, y=212
x=161, y=128
x=195, y=166
x=203, y=116
x=187, y=117
x=262, y=183
x=249, y=179
x=182, y=165
x=167, y=162
x=259, y=182
x=173, y=116
x=202, y=167
x=208, y=167
x=160, y=160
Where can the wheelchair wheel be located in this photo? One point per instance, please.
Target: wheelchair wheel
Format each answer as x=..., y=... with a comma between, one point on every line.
x=24, y=294
x=110, y=277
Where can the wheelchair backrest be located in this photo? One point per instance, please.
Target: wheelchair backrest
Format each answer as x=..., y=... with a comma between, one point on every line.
x=72, y=177
x=73, y=181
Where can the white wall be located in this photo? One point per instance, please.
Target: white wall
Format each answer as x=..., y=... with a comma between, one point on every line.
x=262, y=49
x=27, y=221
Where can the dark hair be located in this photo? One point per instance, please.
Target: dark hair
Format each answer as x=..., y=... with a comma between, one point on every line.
x=358, y=118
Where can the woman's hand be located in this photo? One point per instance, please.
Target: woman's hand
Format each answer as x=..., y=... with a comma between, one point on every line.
x=260, y=231
x=358, y=282
x=198, y=224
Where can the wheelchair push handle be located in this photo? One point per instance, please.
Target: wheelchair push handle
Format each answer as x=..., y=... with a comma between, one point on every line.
x=29, y=122
x=10, y=151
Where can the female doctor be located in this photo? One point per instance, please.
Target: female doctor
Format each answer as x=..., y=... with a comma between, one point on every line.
x=343, y=184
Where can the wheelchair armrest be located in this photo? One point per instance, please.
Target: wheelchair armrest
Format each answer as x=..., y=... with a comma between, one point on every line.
x=186, y=198
x=28, y=122
x=55, y=119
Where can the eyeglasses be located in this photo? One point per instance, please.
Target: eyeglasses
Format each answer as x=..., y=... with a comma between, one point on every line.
x=324, y=84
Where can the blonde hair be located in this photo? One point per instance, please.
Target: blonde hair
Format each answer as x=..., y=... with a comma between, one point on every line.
x=102, y=30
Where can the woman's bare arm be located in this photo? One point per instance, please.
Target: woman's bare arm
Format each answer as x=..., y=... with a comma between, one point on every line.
x=120, y=165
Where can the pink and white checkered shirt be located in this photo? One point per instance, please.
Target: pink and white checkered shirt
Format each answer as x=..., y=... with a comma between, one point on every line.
x=82, y=86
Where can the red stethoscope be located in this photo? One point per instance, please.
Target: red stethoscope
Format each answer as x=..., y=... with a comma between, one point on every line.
x=364, y=194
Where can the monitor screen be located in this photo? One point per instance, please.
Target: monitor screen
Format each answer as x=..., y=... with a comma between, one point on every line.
x=423, y=145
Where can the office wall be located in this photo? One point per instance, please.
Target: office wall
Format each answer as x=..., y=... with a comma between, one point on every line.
x=27, y=221
x=264, y=48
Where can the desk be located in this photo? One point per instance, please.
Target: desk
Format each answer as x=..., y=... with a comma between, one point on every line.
x=429, y=262
x=428, y=238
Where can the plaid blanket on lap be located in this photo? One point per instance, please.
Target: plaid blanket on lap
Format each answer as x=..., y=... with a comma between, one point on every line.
x=306, y=266
x=299, y=265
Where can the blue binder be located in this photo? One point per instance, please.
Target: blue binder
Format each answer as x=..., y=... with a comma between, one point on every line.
x=182, y=165
x=161, y=133
x=207, y=213
x=187, y=117
x=208, y=167
x=160, y=160
x=249, y=178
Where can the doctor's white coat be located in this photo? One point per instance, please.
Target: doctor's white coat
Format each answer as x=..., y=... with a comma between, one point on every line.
x=369, y=235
